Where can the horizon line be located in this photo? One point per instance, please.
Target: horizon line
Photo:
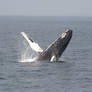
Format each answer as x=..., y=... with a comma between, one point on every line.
x=42, y=16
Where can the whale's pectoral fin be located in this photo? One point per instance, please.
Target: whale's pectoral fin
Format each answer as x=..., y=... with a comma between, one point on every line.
x=31, y=43
x=53, y=58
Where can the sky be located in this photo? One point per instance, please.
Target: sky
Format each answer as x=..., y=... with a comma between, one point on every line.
x=46, y=7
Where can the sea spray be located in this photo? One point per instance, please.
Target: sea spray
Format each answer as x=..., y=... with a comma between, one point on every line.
x=27, y=54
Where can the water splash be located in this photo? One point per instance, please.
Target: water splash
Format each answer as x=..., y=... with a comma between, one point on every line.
x=27, y=54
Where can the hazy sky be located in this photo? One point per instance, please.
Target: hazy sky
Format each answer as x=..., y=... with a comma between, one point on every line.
x=46, y=7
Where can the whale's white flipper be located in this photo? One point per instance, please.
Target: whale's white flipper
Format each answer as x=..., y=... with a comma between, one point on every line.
x=32, y=44
x=53, y=58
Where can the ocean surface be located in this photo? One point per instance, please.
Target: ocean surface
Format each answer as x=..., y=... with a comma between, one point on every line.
x=73, y=72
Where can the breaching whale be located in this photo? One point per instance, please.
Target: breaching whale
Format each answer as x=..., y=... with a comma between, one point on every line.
x=54, y=50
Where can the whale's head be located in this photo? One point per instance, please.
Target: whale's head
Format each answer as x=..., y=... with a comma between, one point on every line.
x=58, y=46
x=63, y=41
x=66, y=36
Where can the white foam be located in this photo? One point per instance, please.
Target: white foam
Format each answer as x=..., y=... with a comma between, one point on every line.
x=28, y=60
x=27, y=54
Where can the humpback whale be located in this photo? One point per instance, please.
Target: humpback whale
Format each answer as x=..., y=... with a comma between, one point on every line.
x=54, y=50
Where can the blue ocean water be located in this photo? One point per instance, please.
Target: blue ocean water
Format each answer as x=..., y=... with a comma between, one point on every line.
x=73, y=74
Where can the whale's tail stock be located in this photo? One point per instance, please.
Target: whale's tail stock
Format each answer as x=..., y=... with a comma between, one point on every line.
x=54, y=50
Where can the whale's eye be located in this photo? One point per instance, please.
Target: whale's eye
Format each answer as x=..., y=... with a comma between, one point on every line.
x=63, y=35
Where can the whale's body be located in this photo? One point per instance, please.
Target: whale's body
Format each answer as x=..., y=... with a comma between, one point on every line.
x=54, y=50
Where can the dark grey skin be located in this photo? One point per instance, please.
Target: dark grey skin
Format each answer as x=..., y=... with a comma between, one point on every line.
x=56, y=48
